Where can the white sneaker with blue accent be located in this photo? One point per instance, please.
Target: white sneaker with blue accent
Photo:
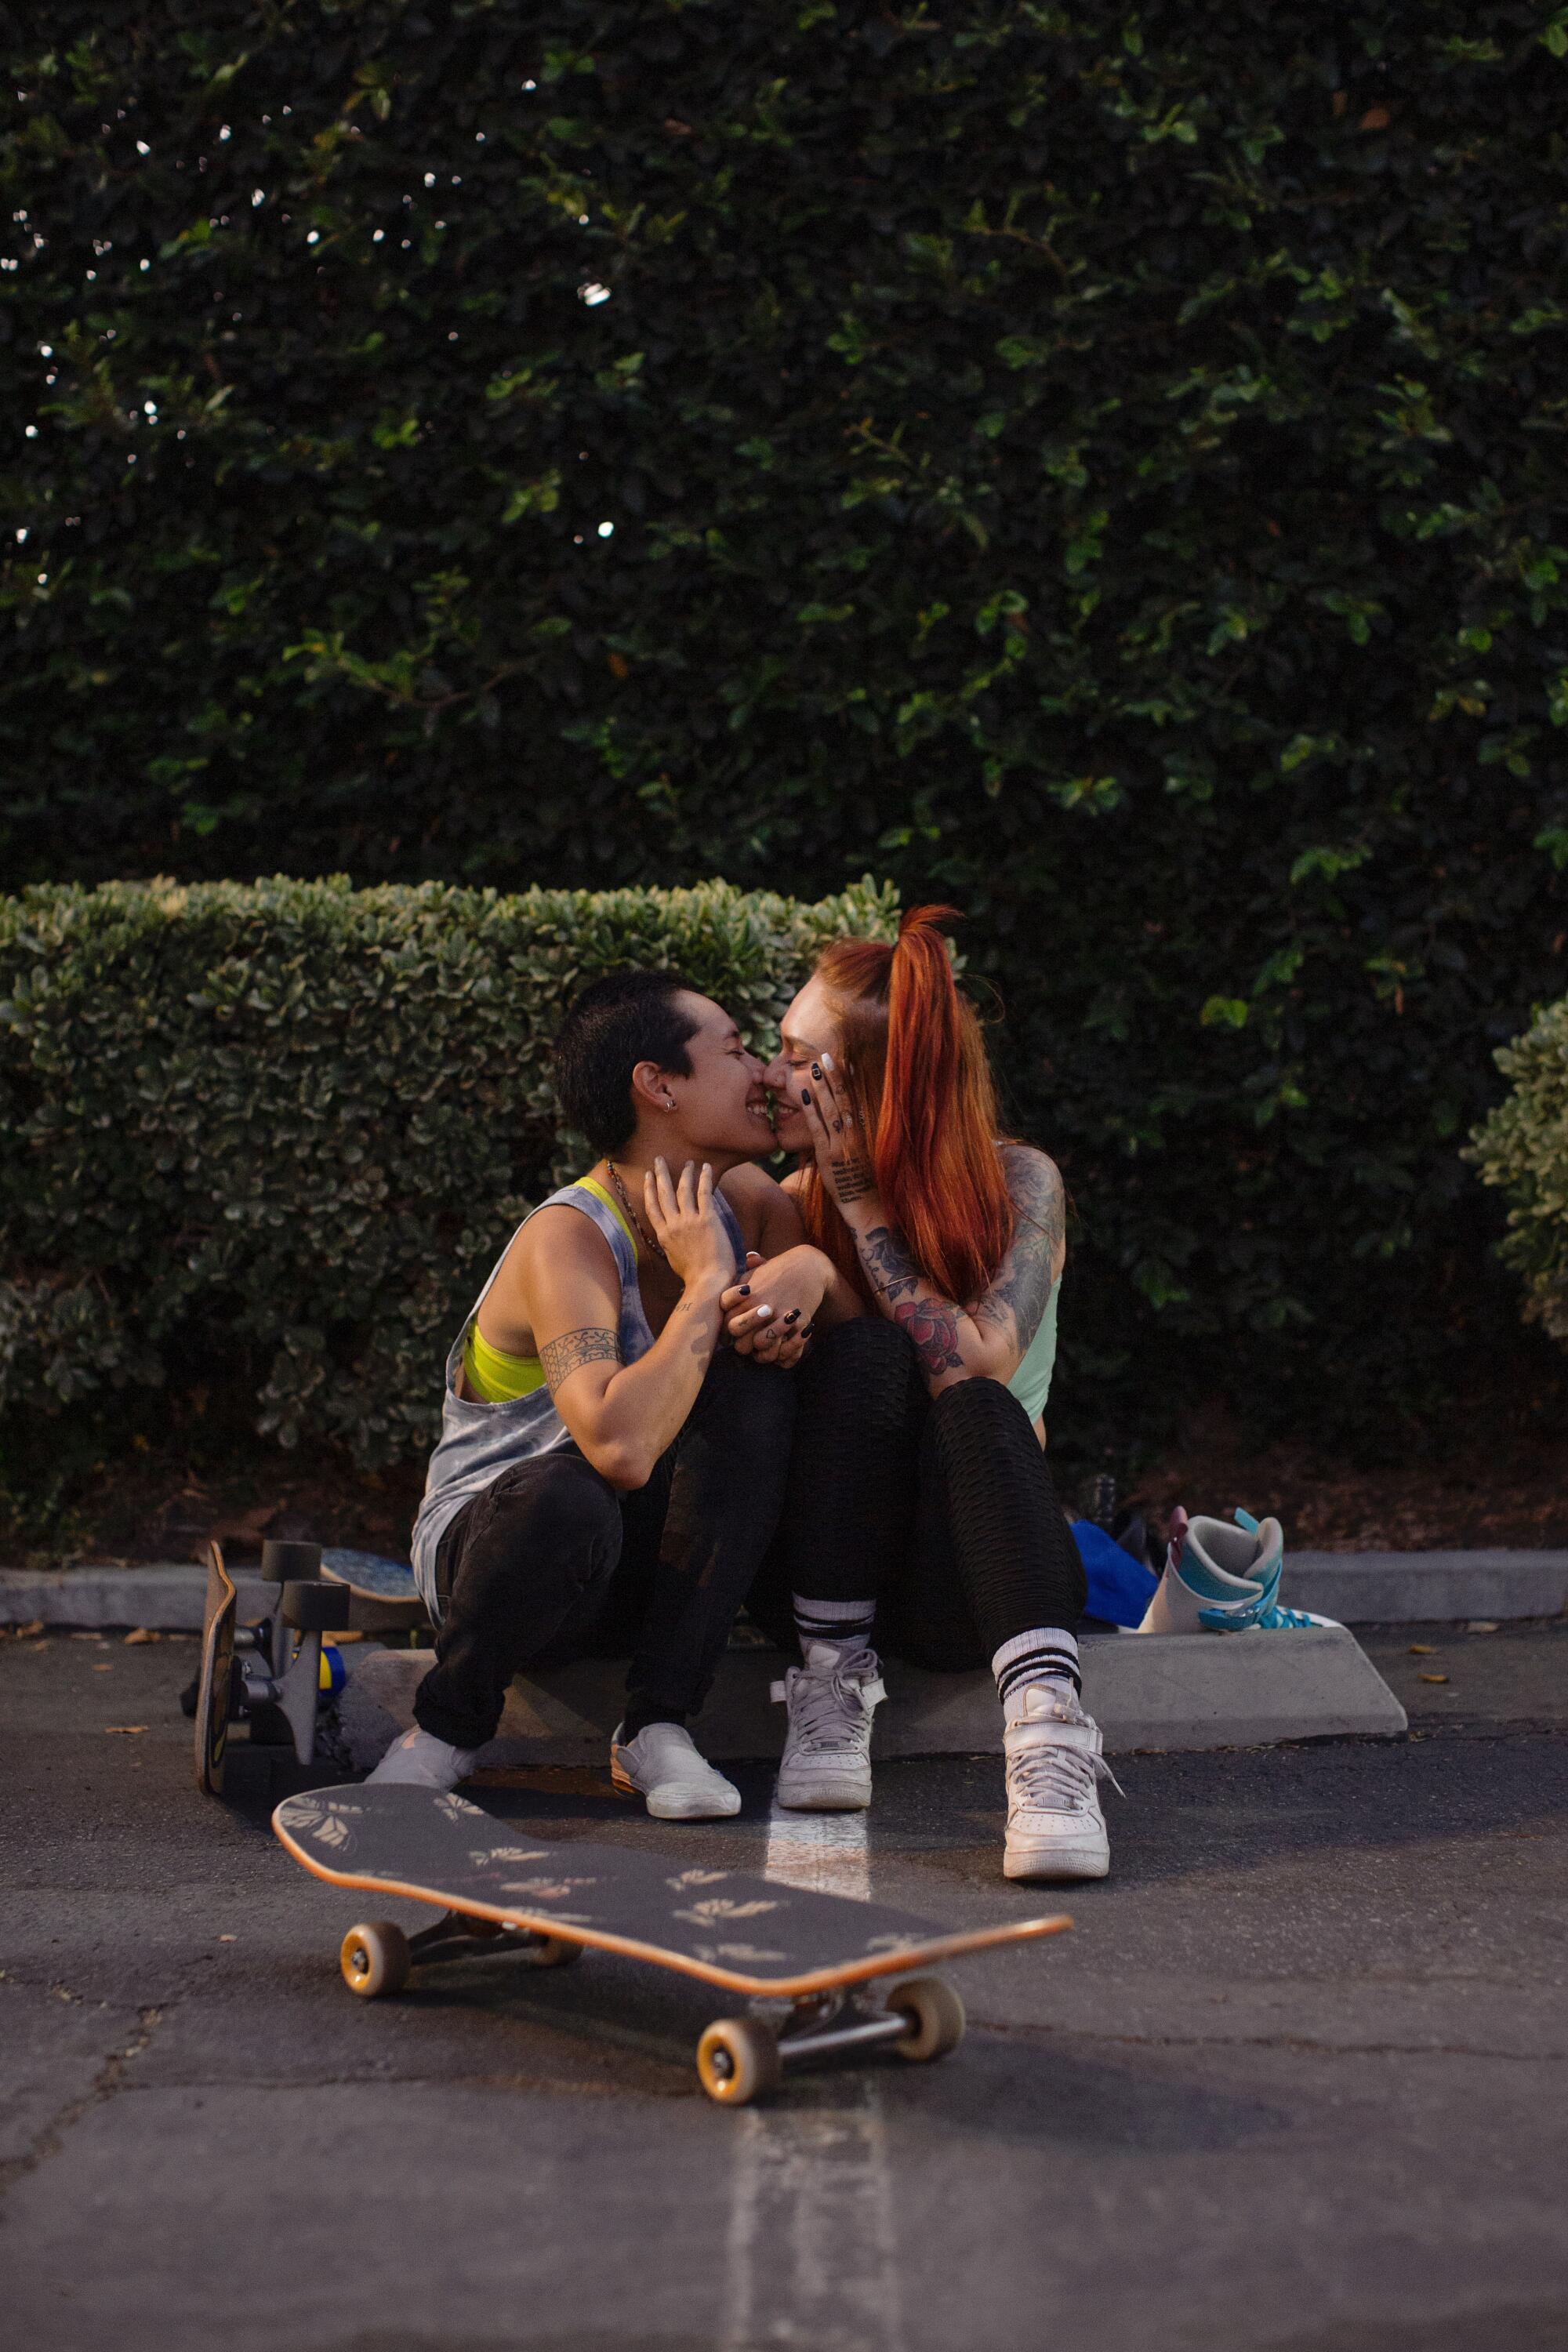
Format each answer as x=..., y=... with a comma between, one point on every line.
x=1224, y=1579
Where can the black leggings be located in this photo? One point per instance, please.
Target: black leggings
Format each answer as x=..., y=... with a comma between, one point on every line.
x=551, y=1564
x=942, y=1509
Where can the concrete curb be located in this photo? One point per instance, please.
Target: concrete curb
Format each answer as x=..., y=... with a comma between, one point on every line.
x=1405, y=1587
x=169, y=1597
x=1365, y=1588
x=1162, y=1691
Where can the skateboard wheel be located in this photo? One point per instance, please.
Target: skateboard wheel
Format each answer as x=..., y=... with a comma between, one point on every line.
x=374, y=1958
x=936, y=2017
x=738, y=2061
x=555, y=1952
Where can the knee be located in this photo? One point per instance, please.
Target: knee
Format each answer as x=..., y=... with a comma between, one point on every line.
x=560, y=1508
x=979, y=1411
x=755, y=1401
x=866, y=1369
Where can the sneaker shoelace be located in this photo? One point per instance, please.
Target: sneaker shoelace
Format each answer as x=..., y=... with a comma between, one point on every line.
x=829, y=1710
x=1059, y=1779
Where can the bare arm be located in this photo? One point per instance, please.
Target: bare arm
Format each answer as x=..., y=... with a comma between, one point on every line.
x=624, y=1416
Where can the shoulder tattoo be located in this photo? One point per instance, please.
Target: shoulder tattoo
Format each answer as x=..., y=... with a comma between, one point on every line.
x=559, y=1358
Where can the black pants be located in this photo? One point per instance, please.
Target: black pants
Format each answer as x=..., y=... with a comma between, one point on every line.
x=942, y=1509
x=551, y=1564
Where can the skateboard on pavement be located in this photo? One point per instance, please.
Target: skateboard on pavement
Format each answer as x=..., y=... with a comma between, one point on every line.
x=261, y=1671
x=500, y=1891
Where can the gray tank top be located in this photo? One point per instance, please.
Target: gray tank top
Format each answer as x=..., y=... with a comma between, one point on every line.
x=478, y=1441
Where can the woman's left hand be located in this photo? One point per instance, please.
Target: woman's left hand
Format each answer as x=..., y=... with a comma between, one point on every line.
x=843, y=1155
x=772, y=1315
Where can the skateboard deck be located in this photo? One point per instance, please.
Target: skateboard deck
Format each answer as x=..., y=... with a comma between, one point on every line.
x=215, y=1683
x=750, y=1935
x=370, y=1577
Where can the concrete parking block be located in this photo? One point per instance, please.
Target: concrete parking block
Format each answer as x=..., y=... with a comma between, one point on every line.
x=1154, y=1690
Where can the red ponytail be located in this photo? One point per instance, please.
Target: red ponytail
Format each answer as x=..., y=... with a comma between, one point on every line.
x=921, y=1086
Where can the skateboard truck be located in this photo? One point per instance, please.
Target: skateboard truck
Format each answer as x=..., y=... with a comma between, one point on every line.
x=255, y=1671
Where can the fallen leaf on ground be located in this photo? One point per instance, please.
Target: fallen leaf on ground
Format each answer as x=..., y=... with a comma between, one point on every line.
x=129, y=1728
x=1481, y=1626
x=1431, y=1678
x=1421, y=1650
x=26, y=1632
x=103, y=1670
x=142, y=1633
x=228, y=1939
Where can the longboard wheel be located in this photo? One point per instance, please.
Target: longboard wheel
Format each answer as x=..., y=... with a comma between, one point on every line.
x=554, y=1952
x=374, y=1958
x=936, y=2017
x=738, y=2061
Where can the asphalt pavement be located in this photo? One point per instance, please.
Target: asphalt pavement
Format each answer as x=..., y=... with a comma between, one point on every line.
x=1296, y=2083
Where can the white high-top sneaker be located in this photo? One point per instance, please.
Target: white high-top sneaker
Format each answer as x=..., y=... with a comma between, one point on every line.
x=826, y=1763
x=662, y=1764
x=1224, y=1579
x=1055, y=1826
x=420, y=1760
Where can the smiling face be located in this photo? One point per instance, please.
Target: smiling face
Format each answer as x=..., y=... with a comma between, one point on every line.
x=810, y=1026
x=721, y=1109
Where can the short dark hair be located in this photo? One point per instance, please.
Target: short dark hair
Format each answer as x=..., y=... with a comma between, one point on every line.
x=619, y=1021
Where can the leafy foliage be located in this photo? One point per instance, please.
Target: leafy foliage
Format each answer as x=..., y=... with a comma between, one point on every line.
x=1523, y=1147
x=1099, y=464
x=275, y=1136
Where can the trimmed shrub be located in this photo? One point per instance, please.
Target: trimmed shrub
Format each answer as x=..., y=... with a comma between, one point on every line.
x=1523, y=1148
x=278, y=1135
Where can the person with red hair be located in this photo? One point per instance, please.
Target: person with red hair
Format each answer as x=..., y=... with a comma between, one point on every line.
x=920, y=1509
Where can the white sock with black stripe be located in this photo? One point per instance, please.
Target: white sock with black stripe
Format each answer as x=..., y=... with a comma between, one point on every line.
x=1043, y=1655
x=833, y=1628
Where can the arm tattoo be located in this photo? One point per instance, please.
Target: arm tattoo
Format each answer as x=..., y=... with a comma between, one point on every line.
x=889, y=1263
x=1022, y=1290
x=853, y=1176
x=561, y=1358
x=932, y=1325
x=931, y=1322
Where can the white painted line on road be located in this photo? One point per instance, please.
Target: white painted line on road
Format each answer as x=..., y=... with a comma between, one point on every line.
x=812, y=2250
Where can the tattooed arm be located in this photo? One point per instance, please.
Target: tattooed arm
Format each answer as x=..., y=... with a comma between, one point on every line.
x=561, y=1292
x=988, y=1338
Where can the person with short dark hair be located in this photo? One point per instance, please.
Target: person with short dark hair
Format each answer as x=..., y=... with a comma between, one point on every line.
x=609, y=1473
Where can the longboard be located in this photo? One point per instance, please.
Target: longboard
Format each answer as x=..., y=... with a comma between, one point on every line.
x=215, y=1683
x=748, y=1936
x=370, y=1577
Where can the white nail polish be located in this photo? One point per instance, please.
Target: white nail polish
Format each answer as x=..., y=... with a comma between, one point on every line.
x=826, y=1061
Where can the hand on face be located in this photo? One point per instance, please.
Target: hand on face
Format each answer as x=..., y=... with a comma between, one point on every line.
x=842, y=1158
x=770, y=1317
x=685, y=1223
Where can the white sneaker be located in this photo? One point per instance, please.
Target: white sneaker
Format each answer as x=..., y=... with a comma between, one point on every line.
x=662, y=1764
x=422, y=1761
x=1055, y=1826
x=826, y=1762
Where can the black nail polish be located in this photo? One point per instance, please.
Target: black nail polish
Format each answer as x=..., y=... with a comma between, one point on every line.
x=745, y=1290
x=815, y=1071
x=793, y=1314
x=805, y=1094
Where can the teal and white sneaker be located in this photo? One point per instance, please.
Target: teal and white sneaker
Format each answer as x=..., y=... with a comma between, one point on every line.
x=1221, y=1578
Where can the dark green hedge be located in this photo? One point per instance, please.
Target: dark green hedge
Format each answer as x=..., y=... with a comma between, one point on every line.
x=263, y=1145
x=1103, y=463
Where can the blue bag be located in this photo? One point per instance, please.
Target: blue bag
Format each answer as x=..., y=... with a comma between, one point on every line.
x=1120, y=1586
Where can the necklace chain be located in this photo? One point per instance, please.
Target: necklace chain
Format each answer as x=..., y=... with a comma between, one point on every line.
x=622, y=1196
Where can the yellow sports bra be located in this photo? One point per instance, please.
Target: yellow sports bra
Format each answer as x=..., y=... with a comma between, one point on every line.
x=496, y=1378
